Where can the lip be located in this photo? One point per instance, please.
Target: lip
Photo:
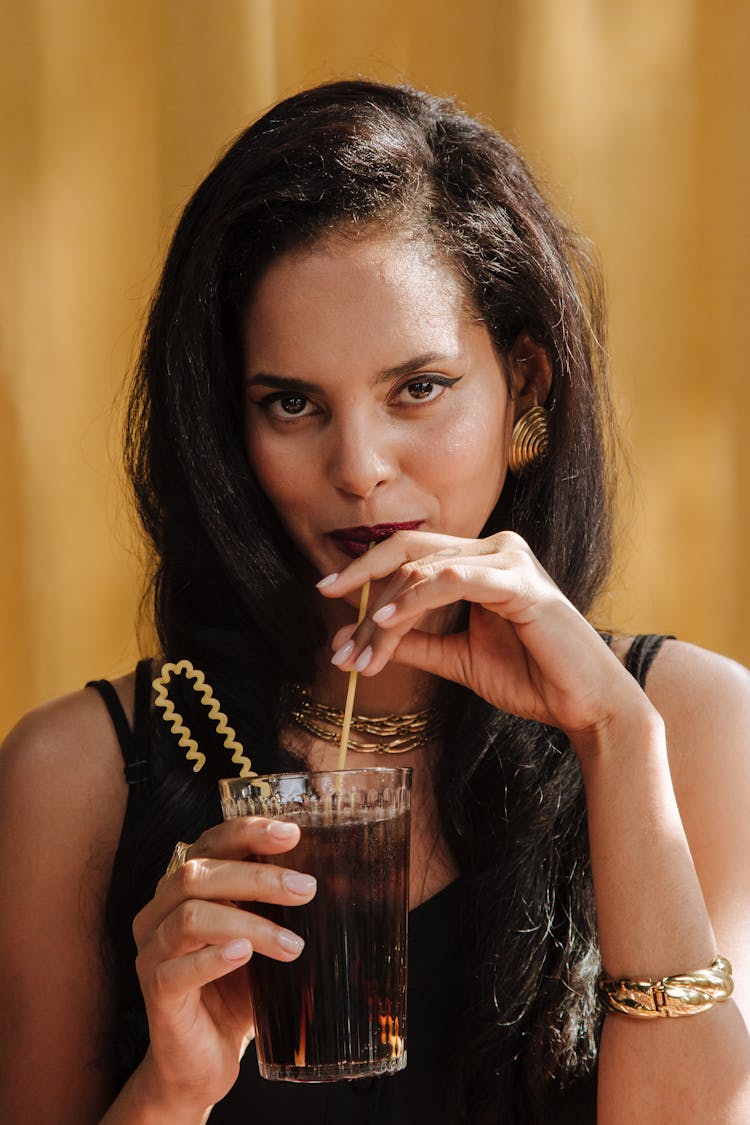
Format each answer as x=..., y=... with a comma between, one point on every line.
x=354, y=541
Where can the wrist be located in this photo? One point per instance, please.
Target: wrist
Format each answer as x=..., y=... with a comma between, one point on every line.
x=153, y=1102
x=631, y=731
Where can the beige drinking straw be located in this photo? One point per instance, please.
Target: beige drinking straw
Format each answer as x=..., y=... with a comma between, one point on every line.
x=349, y=705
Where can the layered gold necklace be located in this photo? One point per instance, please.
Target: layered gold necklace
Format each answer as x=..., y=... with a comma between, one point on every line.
x=396, y=734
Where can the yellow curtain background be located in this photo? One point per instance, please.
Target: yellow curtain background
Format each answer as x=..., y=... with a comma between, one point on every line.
x=634, y=114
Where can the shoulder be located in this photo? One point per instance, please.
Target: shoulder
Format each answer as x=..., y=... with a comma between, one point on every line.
x=72, y=736
x=704, y=699
x=62, y=768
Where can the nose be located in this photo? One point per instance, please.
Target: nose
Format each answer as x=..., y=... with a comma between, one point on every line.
x=360, y=457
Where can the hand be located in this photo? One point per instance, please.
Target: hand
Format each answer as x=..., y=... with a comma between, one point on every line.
x=191, y=941
x=526, y=649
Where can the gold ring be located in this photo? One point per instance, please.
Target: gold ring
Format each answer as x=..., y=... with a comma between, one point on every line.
x=179, y=856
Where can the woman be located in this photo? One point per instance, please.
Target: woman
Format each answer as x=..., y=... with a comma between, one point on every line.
x=365, y=305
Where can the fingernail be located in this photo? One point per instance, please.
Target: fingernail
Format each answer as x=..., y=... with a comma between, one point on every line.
x=290, y=942
x=238, y=950
x=363, y=659
x=384, y=614
x=327, y=581
x=299, y=884
x=343, y=654
x=281, y=830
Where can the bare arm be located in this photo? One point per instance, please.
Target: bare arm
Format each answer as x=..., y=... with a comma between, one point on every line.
x=62, y=799
x=669, y=840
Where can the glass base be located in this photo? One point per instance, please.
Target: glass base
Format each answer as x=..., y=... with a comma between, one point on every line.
x=331, y=1072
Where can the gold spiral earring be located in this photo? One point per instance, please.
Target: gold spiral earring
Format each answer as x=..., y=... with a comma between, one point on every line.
x=529, y=442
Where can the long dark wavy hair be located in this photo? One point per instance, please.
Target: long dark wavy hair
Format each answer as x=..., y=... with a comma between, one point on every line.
x=226, y=590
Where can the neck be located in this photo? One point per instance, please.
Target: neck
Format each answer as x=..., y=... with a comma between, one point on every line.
x=396, y=690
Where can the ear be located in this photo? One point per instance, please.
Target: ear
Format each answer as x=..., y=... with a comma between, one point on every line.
x=530, y=371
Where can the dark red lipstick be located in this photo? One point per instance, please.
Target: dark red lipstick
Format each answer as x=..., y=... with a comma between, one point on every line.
x=354, y=541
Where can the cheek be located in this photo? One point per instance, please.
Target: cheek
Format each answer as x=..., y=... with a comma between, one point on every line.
x=473, y=451
x=279, y=475
x=469, y=475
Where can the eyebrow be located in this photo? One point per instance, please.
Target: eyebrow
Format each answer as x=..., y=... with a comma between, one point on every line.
x=266, y=379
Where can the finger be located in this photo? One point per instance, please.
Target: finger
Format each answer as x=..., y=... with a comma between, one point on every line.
x=444, y=656
x=363, y=647
x=223, y=881
x=457, y=560
x=242, y=836
x=359, y=633
x=236, y=838
x=195, y=924
x=367, y=652
x=170, y=981
x=355, y=644
x=351, y=642
x=343, y=635
x=386, y=557
x=513, y=593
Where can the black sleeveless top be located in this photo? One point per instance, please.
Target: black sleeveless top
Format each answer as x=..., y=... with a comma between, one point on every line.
x=436, y=990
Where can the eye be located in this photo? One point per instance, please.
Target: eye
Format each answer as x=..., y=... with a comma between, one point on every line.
x=285, y=407
x=421, y=388
x=424, y=388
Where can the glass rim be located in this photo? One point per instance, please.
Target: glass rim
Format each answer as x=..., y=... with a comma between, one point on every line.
x=244, y=781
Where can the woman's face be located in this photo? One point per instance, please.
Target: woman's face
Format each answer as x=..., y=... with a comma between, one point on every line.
x=373, y=397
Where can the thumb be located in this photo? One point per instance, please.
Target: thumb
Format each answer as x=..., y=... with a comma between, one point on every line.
x=444, y=656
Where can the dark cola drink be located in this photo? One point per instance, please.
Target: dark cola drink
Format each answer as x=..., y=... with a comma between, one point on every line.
x=339, y=1010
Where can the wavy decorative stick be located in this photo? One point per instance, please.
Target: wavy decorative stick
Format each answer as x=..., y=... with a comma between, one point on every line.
x=209, y=700
x=175, y=720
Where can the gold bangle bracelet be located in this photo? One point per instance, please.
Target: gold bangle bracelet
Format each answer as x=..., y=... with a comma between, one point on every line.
x=685, y=994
